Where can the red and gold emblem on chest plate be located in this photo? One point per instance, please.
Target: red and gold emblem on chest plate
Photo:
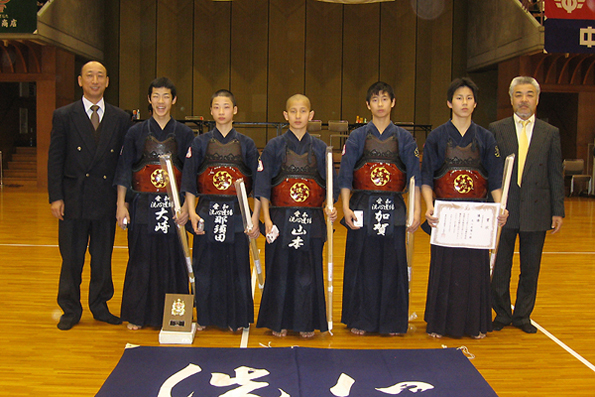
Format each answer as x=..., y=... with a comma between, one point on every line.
x=159, y=178
x=299, y=192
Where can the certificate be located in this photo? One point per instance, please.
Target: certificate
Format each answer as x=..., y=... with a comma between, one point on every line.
x=464, y=224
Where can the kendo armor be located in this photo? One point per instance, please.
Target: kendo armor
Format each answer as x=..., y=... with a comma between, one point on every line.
x=461, y=177
x=298, y=183
x=380, y=168
x=222, y=166
x=147, y=175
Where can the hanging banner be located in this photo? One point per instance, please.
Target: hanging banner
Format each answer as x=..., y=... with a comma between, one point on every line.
x=570, y=9
x=569, y=36
x=18, y=16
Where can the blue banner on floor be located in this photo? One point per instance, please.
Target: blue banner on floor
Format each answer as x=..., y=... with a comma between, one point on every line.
x=295, y=372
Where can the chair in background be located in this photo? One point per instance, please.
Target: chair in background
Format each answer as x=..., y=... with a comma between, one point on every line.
x=315, y=126
x=339, y=132
x=574, y=170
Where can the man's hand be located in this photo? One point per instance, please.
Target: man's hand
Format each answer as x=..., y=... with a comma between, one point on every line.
x=182, y=216
x=194, y=220
x=255, y=231
x=121, y=214
x=268, y=226
x=332, y=214
x=556, y=223
x=57, y=208
x=502, y=218
x=349, y=218
x=432, y=220
x=415, y=223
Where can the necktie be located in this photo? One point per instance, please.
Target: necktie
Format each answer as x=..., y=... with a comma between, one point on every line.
x=523, y=148
x=95, y=116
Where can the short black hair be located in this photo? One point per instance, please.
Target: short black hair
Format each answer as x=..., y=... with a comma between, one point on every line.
x=377, y=88
x=163, y=82
x=458, y=83
x=225, y=93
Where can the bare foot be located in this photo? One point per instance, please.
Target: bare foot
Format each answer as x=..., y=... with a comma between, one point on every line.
x=200, y=327
x=239, y=329
x=307, y=334
x=435, y=335
x=480, y=336
x=396, y=334
x=134, y=327
x=280, y=334
x=358, y=331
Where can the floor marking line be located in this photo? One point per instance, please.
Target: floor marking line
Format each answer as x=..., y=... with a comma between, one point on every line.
x=564, y=346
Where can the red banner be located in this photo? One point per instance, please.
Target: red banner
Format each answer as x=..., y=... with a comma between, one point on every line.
x=570, y=9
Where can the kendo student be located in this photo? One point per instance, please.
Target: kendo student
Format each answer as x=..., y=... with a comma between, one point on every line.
x=156, y=263
x=86, y=138
x=221, y=250
x=461, y=162
x=291, y=186
x=378, y=160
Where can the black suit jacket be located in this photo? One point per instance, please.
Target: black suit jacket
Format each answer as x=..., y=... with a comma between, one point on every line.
x=541, y=195
x=81, y=171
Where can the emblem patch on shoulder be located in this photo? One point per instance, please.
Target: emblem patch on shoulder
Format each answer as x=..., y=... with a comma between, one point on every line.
x=260, y=166
x=497, y=152
x=189, y=153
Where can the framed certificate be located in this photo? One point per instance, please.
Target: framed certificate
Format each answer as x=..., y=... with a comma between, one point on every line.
x=464, y=224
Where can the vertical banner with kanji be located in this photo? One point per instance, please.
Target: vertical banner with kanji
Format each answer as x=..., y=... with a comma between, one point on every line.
x=18, y=16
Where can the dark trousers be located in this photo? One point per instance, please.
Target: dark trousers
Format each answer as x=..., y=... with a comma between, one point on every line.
x=530, y=248
x=73, y=236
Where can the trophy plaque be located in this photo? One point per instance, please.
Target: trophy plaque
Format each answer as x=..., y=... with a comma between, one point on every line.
x=178, y=327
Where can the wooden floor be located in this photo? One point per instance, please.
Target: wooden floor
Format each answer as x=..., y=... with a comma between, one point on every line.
x=37, y=359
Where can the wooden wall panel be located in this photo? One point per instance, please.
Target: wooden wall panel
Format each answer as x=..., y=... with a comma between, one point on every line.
x=265, y=51
x=47, y=98
x=249, y=62
x=487, y=109
x=174, y=50
x=324, y=57
x=112, y=50
x=586, y=126
x=361, y=40
x=249, y=52
x=138, y=30
x=397, y=56
x=212, y=46
x=287, y=37
x=434, y=67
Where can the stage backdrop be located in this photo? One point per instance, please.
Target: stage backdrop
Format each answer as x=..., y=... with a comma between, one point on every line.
x=268, y=372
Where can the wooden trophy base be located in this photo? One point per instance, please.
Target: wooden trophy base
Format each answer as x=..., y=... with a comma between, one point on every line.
x=177, y=337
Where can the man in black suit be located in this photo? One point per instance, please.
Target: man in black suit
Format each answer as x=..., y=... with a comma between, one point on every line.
x=535, y=201
x=86, y=139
